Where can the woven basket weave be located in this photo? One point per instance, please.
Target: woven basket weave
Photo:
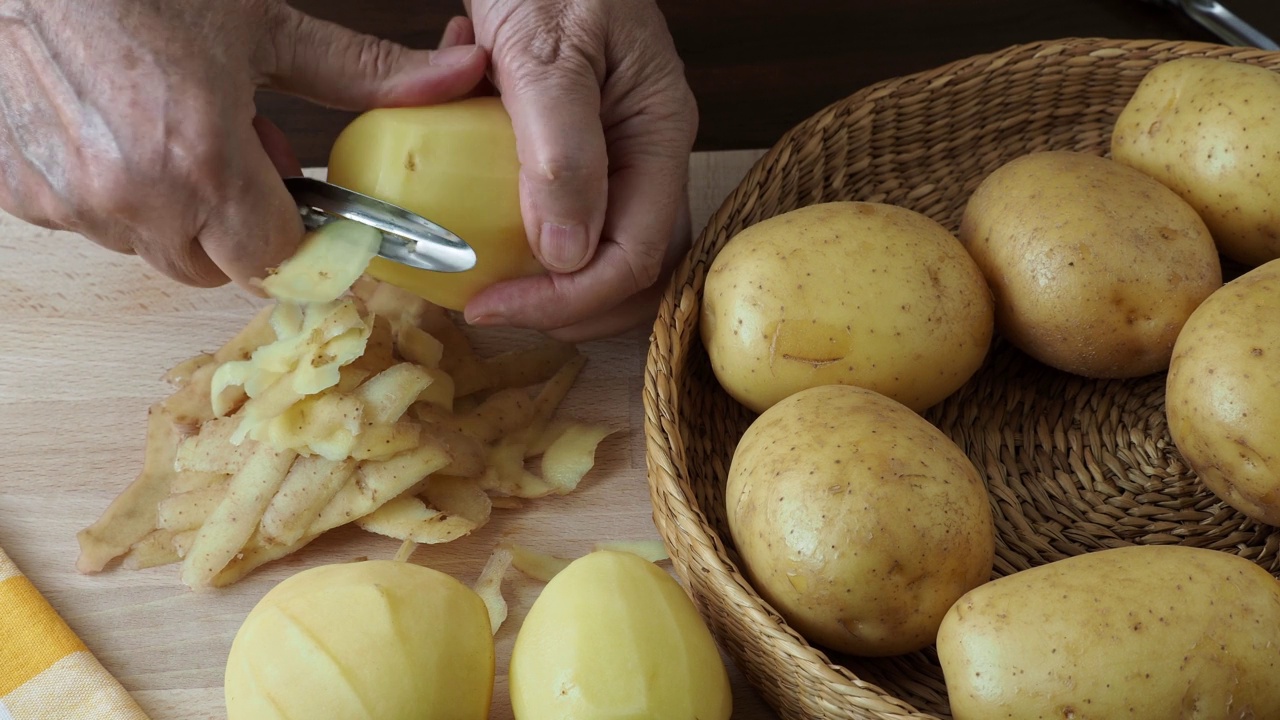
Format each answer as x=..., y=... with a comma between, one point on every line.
x=1072, y=465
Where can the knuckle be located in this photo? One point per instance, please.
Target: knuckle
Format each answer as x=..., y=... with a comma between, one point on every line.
x=674, y=107
x=569, y=167
x=645, y=263
x=552, y=37
x=198, y=153
x=286, y=31
x=182, y=261
x=377, y=57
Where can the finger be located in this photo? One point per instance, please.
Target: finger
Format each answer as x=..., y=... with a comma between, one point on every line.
x=256, y=225
x=459, y=31
x=188, y=263
x=645, y=203
x=335, y=66
x=277, y=147
x=563, y=164
x=638, y=310
x=632, y=313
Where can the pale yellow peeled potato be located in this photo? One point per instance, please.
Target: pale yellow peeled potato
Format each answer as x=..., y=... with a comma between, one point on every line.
x=454, y=164
x=612, y=636
x=375, y=639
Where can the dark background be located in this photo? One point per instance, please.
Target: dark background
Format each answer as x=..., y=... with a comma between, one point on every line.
x=758, y=67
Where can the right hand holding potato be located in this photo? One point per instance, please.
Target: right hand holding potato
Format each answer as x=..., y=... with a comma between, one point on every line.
x=133, y=123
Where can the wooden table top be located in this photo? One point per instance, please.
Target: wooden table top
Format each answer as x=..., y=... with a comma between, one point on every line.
x=757, y=67
x=85, y=336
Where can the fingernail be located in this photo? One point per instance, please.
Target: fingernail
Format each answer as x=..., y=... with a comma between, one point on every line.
x=449, y=37
x=457, y=55
x=563, y=246
x=486, y=320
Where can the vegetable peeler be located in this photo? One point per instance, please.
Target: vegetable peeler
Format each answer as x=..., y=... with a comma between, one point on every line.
x=1217, y=19
x=407, y=238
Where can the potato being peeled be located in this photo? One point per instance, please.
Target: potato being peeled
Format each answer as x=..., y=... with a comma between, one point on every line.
x=1222, y=395
x=850, y=293
x=1095, y=266
x=1143, y=633
x=1206, y=127
x=857, y=520
x=455, y=164
x=375, y=639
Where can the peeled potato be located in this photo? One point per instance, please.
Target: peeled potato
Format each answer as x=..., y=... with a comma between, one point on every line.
x=363, y=640
x=456, y=165
x=614, y=636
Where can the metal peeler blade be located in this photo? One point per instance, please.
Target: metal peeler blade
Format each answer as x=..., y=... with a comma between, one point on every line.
x=407, y=238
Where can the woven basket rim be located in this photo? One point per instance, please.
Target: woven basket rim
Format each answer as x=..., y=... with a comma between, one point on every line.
x=663, y=449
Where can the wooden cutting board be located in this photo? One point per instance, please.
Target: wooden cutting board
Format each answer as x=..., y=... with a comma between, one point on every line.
x=85, y=336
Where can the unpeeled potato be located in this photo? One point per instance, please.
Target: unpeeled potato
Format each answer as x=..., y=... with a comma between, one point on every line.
x=1223, y=393
x=1095, y=266
x=1145, y=633
x=854, y=293
x=857, y=520
x=1206, y=127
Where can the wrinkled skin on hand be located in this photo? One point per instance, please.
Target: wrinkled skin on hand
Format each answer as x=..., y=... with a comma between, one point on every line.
x=604, y=121
x=132, y=121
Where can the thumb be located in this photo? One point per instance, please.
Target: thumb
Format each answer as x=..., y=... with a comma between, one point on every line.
x=564, y=166
x=332, y=65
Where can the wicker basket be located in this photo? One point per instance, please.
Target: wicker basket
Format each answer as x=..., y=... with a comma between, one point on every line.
x=1072, y=465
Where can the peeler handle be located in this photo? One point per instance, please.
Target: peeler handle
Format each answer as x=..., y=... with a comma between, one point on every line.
x=1216, y=18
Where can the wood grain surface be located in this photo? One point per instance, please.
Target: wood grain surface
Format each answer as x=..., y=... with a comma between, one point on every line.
x=85, y=336
x=757, y=67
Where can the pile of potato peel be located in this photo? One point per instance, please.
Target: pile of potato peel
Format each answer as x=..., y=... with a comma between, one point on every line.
x=371, y=408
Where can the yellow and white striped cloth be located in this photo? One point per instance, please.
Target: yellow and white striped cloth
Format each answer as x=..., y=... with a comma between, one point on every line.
x=46, y=672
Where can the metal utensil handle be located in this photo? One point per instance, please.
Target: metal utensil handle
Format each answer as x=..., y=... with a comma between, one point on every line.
x=1216, y=18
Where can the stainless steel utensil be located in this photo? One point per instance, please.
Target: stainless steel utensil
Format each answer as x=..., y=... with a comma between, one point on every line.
x=407, y=238
x=1217, y=19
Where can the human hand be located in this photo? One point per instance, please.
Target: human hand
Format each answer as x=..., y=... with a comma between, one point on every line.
x=132, y=122
x=604, y=123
